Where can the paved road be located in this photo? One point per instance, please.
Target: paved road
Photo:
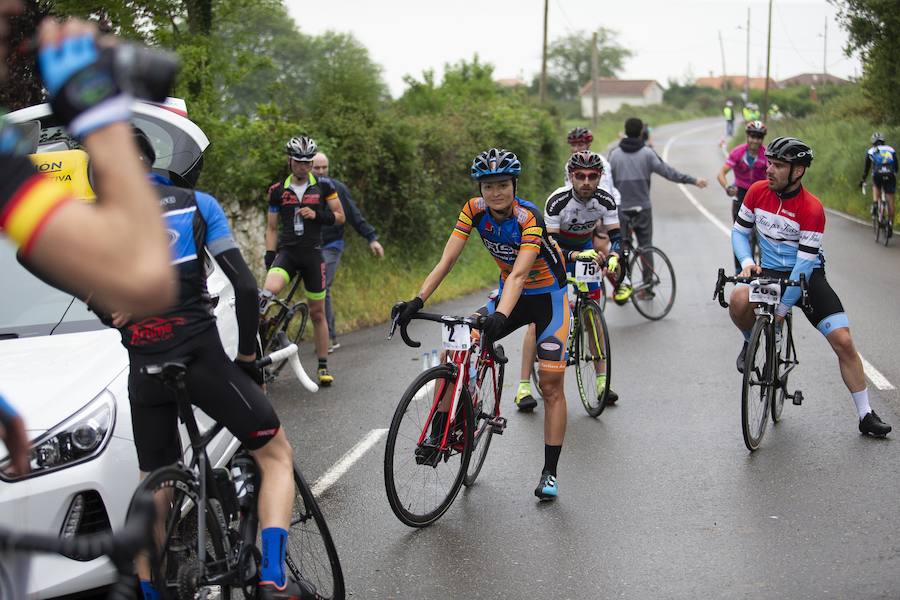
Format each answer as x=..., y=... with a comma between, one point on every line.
x=659, y=497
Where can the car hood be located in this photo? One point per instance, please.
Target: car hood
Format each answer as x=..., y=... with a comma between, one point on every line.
x=48, y=378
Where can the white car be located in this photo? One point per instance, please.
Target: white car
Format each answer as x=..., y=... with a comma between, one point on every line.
x=67, y=375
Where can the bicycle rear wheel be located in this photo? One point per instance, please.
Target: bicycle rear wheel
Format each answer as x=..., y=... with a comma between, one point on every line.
x=421, y=483
x=756, y=389
x=487, y=406
x=311, y=554
x=592, y=357
x=653, y=280
x=179, y=574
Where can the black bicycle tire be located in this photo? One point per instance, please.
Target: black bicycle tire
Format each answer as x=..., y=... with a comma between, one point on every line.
x=189, y=485
x=482, y=429
x=634, y=258
x=876, y=221
x=592, y=409
x=405, y=516
x=750, y=440
x=315, y=511
x=790, y=354
x=285, y=327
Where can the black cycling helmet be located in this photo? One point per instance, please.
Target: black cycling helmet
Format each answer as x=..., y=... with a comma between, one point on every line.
x=495, y=161
x=301, y=148
x=580, y=134
x=757, y=127
x=587, y=160
x=877, y=138
x=145, y=146
x=790, y=150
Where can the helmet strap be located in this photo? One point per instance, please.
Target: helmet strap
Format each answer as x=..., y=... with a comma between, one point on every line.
x=790, y=182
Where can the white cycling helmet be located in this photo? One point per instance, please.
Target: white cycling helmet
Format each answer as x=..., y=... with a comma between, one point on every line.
x=301, y=148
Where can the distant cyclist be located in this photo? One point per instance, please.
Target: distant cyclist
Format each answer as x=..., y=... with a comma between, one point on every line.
x=728, y=112
x=790, y=223
x=748, y=161
x=572, y=214
x=882, y=159
x=532, y=290
x=301, y=205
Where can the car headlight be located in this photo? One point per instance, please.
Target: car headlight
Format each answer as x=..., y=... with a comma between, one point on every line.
x=78, y=439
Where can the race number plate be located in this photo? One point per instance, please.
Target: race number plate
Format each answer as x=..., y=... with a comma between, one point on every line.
x=587, y=272
x=456, y=337
x=769, y=293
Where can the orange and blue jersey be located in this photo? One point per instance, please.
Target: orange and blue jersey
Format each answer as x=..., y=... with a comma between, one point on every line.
x=524, y=231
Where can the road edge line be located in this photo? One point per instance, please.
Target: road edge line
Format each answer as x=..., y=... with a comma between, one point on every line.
x=338, y=469
x=875, y=376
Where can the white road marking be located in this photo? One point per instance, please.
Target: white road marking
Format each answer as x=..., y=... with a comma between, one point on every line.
x=878, y=380
x=330, y=477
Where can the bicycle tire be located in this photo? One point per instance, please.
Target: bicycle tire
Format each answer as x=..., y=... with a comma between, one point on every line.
x=652, y=299
x=587, y=343
x=412, y=405
x=308, y=537
x=536, y=392
x=490, y=374
x=297, y=321
x=886, y=225
x=754, y=410
x=787, y=356
x=876, y=220
x=179, y=554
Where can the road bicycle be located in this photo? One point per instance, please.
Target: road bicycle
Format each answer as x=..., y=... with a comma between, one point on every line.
x=771, y=354
x=121, y=548
x=282, y=322
x=650, y=273
x=881, y=218
x=208, y=545
x=423, y=473
x=588, y=345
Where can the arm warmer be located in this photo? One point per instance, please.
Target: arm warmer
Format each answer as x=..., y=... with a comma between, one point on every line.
x=868, y=166
x=792, y=294
x=615, y=240
x=245, y=295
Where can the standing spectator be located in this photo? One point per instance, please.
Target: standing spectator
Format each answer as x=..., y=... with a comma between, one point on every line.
x=333, y=241
x=729, y=119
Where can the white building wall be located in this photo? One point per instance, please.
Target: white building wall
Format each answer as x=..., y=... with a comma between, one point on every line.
x=654, y=95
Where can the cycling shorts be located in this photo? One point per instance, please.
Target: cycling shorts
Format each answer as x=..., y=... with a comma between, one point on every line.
x=825, y=313
x=308, y=263
x=886, y=181
x=214, y=384
x=550, y=314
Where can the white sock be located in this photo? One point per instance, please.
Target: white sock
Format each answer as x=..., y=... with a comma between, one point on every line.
x=861, y=400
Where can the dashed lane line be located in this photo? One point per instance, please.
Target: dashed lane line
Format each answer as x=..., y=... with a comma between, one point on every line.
x=330, y=477
x=874, y=375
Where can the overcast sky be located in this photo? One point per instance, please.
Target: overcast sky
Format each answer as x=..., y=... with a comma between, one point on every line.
x=669, y=38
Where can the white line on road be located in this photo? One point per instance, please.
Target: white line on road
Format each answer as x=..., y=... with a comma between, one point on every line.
x=874, y=375
x=330, y=477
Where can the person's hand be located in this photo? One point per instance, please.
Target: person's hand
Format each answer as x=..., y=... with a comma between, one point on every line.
x=247, y=364
x=731, y=190
x=750, y=270
x=376, y=249
x=120, y=318
x=612, y=264
x=406, y=310
x=862, y=182
x=587, y=255
x=12, y=432
x=701, y=182
x=307, y=213
x=269, y=258
x=492, y=328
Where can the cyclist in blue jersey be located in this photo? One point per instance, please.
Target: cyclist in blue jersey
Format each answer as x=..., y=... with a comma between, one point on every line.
x=882, y=159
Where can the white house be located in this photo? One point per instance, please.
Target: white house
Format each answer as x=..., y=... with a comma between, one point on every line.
x=613, y=93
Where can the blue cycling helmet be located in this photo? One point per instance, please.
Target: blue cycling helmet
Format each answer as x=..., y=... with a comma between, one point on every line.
x=495, y=161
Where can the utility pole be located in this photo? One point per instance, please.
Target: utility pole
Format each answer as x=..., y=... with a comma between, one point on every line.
x=543, y=92
x=722, y=50
x=747, y=80
x=595, y=81
x=825, y=52
x=765, y=114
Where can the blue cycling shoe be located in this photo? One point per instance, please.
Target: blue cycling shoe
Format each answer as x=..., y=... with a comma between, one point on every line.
x=547, y=488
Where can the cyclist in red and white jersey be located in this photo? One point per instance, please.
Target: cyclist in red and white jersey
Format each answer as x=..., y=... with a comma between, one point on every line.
x=789, y=223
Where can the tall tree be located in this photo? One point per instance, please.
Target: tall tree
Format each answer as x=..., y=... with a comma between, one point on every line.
x=23, y=86
x=873, y=26
x=569, y=61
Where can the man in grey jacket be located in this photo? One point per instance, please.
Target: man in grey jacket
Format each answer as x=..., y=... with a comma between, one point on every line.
x=632, y=164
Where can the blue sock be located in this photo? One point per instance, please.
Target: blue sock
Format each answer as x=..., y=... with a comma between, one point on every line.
x=149, y=591
x=274, y=544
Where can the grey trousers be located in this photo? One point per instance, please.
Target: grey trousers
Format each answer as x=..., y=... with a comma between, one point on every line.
x=332, y=258
x=641, y=222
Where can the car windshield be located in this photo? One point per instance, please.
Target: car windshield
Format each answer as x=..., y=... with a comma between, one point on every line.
x=29, y=307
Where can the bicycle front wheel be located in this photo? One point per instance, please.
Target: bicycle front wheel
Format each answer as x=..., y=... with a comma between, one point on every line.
x=786, y=358
x=486, y=407
x=311, y=554
x=756, y=389
x=422, y=480
x=592, y=360
x=653, y=280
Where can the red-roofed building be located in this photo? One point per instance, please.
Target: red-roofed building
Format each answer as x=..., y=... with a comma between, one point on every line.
x=613, y=93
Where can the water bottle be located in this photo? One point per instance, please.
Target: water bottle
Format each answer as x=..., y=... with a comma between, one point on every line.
x=473, y=374
x=424, y=361
x=226, y=492
x=245, y=477
x=298, y=222
x=434, y=357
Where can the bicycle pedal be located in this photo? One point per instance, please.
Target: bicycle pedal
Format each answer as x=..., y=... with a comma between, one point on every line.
x=797, y=398
x=498, y=424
